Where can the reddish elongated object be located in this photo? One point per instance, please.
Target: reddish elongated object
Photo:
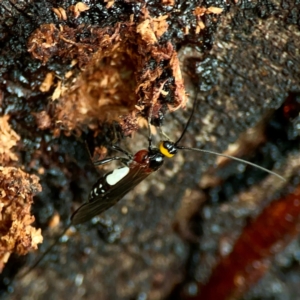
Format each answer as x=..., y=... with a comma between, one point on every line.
x=250, y=258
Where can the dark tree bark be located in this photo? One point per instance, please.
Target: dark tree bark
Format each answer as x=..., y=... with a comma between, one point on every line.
x=72, y=72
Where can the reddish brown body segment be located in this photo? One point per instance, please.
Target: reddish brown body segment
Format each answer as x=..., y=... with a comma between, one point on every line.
x=141, y=157
x=246, y=264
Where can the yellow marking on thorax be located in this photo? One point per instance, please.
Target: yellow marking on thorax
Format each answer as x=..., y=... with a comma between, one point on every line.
x=164, y=151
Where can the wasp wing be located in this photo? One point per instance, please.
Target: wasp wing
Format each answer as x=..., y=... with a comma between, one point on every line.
x=103, y=202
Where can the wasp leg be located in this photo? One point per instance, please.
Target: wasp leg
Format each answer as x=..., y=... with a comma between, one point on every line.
x=88, y=151
x=117, y=134
x=149, y=127
x=104, y=161
x=117, y=148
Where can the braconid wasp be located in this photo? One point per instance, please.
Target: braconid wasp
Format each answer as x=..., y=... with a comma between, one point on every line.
x=113, y=186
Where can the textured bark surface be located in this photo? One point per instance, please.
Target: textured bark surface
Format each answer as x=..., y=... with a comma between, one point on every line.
x=171, y=233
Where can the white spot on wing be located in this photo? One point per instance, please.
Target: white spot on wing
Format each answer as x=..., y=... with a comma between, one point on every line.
x=117, y=175
x=95, y=191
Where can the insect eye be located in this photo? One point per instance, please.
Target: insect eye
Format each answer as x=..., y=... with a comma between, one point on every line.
x=167, y=148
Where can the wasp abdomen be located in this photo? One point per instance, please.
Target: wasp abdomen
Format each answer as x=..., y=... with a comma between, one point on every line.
x=115, y=176
x=103, y=185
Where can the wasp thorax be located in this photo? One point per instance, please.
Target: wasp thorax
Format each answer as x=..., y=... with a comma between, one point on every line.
x=167, y=148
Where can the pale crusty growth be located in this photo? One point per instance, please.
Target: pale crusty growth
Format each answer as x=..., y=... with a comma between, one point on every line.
x=16, y=196
x=8, y=139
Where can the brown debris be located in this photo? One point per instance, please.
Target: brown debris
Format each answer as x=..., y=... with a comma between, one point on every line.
x=200, y=26
x=78, y=8
x=61, y=13
x=8, y=139
x=129, y=124
x=16, y=234
x=152, y=29
x=43, y=120
x=47, y=83
x=58, y=92
x=16, y=196
x=44, y=42
x=102, y=92
x=201, y=11
x=168, y=2
x=100, y=153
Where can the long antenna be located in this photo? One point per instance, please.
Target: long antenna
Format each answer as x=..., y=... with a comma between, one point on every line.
x=188, y=122
x=234, y=158
x=45, y=253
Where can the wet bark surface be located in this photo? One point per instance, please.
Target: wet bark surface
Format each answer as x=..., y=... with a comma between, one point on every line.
x=68, y=71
